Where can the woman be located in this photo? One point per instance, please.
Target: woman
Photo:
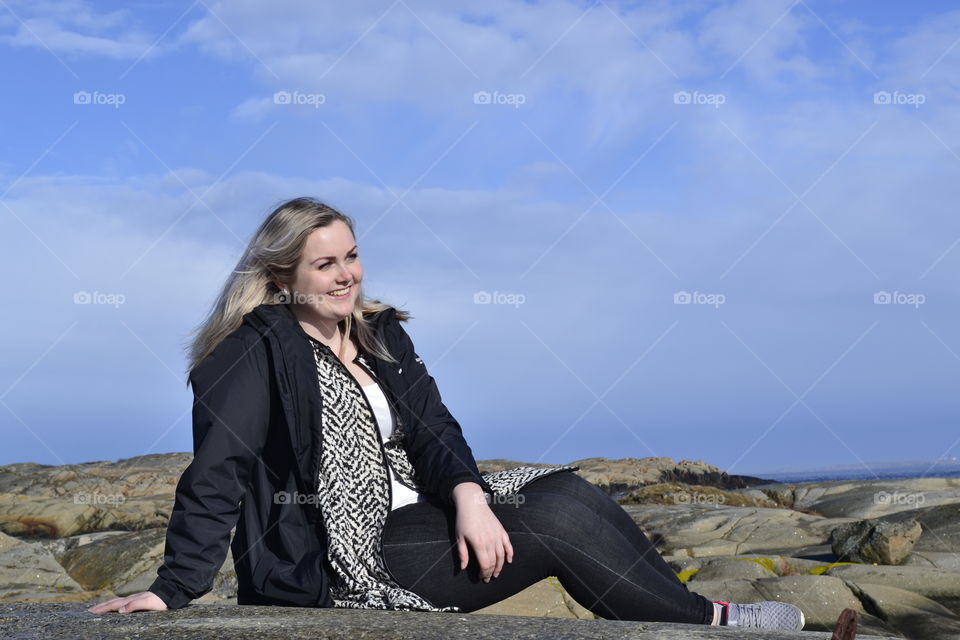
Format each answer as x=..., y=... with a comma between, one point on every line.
x=320, y=436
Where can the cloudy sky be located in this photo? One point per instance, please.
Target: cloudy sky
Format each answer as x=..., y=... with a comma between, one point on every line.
x=711, y=229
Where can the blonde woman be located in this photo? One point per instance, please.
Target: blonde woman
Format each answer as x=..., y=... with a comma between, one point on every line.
x=320, y=435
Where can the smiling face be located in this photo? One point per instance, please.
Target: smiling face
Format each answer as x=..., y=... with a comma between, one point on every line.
x=328, y=266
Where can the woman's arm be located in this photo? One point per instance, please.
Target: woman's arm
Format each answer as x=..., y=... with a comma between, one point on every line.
x=445, y=464
x=231, y=414
x=436, y=446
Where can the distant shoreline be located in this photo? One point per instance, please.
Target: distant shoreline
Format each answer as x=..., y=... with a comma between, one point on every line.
x=859, y=474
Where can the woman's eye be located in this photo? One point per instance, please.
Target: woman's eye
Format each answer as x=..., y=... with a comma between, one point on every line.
x=352, y=256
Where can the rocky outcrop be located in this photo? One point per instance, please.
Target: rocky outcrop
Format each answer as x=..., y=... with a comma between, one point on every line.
x=701, y=530
x=864, y=498
x=137, y=493
x=821, y=598
x=679, y=493
x=86, y=533
x=211, y=621
x=623, y=475
x=887, y=540
x=60, y=501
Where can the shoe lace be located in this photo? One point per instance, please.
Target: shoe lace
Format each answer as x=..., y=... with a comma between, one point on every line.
x=749, y=615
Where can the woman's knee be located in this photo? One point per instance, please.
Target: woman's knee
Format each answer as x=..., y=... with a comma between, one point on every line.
x=569, y=484
x=548, y=513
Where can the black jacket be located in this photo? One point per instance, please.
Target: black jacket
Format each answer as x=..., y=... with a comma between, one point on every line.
x=256, y=447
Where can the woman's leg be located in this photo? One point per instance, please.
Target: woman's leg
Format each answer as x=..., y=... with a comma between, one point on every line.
x=570, y=484
x=555, y=530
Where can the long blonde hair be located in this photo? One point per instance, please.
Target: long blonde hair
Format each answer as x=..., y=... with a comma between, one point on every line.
x=273, y=255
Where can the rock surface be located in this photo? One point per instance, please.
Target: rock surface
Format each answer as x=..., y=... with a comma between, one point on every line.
x=821, y=598
x=865, y=498
x=701, y=530
x=626, y=474
x=87, y=533
x=60, y=501
x=209, y=621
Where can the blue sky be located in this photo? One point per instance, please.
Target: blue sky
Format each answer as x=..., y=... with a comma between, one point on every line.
x=787, y=167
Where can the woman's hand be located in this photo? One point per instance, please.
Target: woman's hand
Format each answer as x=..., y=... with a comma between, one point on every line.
x=143, y=601
x=478, y=525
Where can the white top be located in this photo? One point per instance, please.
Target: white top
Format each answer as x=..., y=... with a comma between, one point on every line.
x=402, y=494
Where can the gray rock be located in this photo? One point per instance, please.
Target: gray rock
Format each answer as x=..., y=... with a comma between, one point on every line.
x=945, y=560
x=30, y=572
x=886, y=540
x=547, y=599
x=941, y=528
x=59, y=501
x=127, y=563
x=935, y=584
x=865, y=498
x=626, y=474
x=730, y=569
x=700, y=531
x=211, y=621
x=911, y=614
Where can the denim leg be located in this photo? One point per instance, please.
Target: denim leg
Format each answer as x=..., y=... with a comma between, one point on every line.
x=570, y=484
x=558, y=528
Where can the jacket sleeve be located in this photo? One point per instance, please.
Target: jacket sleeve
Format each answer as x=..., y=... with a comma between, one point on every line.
x=435, y=443
x=230, y=422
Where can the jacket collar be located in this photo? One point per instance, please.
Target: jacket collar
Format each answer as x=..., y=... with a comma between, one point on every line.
x=279, y=320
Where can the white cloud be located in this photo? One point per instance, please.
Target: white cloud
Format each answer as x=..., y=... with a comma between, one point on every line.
x=73, y=27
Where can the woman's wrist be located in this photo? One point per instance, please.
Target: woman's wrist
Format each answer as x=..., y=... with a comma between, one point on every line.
x=468, y=493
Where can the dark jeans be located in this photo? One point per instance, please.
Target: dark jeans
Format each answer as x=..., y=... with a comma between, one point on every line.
x=562, y=526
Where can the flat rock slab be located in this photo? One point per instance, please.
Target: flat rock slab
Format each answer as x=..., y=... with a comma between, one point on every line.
x=214, y=621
